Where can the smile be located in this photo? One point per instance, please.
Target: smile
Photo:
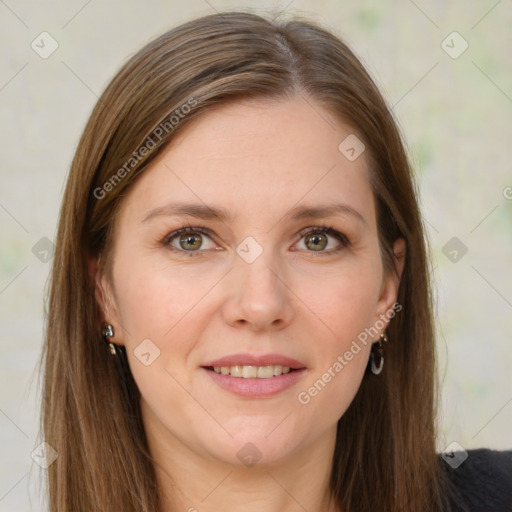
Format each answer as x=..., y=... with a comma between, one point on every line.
x=252, y=372
x=244, y=381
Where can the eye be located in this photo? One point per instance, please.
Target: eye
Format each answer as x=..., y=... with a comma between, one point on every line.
x=316, y=239
x=188, y=240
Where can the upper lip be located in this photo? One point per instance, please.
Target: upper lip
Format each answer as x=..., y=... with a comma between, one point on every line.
x=254, y=360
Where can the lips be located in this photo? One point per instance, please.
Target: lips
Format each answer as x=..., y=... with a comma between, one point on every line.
x=252, y=376
x=258, y=387
x=253, y=360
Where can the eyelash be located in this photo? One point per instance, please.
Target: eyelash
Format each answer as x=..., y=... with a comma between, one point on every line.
x=328, y=230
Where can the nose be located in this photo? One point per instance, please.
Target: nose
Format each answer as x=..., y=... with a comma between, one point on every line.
x=258, y=295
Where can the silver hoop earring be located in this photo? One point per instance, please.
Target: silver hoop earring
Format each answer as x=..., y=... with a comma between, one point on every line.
x=377, y=355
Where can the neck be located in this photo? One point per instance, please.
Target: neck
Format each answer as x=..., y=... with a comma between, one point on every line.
x=194, y=482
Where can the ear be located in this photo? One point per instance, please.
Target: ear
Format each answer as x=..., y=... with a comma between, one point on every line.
x=391, y=283
x=104, y=294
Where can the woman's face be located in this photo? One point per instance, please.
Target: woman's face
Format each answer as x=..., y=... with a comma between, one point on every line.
x=245, y=289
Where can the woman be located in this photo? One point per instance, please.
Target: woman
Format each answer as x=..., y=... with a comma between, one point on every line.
x=239, y=315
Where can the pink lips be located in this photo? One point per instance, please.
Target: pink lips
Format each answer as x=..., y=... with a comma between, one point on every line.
x=250, y=360
x=256, y=388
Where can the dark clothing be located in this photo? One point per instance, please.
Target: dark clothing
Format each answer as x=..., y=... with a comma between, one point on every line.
x=483, y=480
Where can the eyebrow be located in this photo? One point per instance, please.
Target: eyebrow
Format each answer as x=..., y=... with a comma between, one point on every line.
x=201, y=211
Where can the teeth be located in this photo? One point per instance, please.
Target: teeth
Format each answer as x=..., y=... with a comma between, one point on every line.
x=252, y=372
x=265, y=372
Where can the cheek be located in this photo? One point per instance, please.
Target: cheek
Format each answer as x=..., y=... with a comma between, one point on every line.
x=170, y=306
x=345, y=300
x=162, y=304
x=153, y=297
x=344, y=305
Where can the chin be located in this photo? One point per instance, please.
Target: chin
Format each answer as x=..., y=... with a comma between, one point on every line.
x=262, y=445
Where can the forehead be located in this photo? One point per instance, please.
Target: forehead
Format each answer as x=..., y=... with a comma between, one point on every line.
x=259, y=156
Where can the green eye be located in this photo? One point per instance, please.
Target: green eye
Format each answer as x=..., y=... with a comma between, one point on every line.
x=317, y=239
x=190, y=241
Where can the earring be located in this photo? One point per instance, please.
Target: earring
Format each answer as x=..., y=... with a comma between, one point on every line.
x=128, y=388
x=377, y=354
x=108, y=332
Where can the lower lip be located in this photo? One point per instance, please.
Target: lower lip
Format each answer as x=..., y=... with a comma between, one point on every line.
x=256, y=388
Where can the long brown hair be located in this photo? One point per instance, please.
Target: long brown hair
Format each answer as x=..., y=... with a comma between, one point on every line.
x=385, y=456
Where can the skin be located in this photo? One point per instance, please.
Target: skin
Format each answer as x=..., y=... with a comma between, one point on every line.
x=258, y=159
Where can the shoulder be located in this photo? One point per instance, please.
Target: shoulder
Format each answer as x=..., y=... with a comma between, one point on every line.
x=482, y=480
